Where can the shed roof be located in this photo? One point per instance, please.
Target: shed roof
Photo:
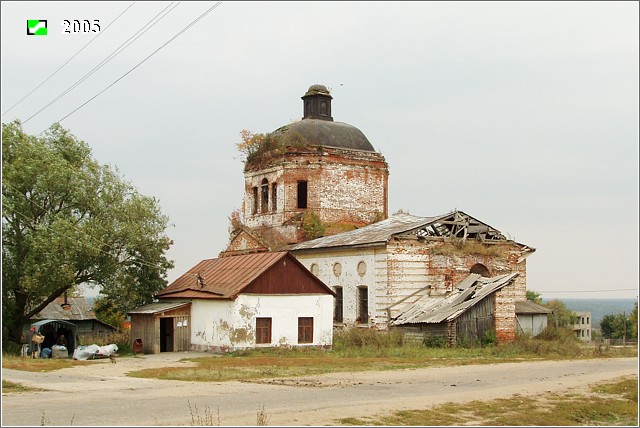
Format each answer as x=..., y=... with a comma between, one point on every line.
x=77, y=309
x=435, y=309
x=226, y=277
x=454, y=224
x=154, y=308
x=529, y=307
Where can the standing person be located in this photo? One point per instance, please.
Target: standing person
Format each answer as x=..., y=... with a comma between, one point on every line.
x=33, y=346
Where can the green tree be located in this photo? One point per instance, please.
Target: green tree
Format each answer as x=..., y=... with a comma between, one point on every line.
x=633, y=320
x=616, y=326
x=534, y=297
x=66, y=221
x=561, y=316
x=107, y=312
x=312, y=227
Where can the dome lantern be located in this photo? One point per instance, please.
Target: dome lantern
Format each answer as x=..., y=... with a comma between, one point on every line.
x=317, y=103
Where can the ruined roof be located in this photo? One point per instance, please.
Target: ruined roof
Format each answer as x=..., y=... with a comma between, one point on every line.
x=436, y=309
x=77, y=309
x=226, y=277
x=317, y=132
x=454, y=224
x=529, y=307
x=376, y=233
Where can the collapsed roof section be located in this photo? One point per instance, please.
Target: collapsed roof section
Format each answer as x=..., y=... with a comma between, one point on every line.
x=429, y=309
x=454, y=225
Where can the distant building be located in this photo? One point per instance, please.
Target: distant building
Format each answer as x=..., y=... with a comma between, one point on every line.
x=582, y=326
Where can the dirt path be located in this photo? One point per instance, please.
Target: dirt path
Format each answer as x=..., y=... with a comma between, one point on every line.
x=102, y=394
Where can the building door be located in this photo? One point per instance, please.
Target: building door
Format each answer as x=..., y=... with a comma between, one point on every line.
x=166, y=334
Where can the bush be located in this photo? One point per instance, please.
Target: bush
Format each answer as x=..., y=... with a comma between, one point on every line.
x=355, y=337
x=431, y=341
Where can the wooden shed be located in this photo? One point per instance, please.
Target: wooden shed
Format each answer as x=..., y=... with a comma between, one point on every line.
x=464, y=315
x=161, y=327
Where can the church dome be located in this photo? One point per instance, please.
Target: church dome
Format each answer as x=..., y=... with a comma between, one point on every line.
x=325, y=133
x=318, y=128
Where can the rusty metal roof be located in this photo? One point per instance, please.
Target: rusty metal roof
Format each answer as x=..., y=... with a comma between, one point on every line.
x=221, y=278
x=435, y=309
x=154, y=308
x=529, y=307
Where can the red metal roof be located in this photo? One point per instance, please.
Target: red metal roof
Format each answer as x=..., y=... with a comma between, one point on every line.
x=221, y=278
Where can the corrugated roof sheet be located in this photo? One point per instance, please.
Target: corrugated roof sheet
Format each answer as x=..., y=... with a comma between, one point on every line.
x=375, y=233
x=221, y=278
x=154, y=308
x=529, y=307
x=77, y=310
x=435, y=309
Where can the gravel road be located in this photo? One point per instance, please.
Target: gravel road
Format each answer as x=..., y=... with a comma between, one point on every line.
x=100, y=394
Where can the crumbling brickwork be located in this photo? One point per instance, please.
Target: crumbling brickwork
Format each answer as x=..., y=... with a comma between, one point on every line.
x=340, y=186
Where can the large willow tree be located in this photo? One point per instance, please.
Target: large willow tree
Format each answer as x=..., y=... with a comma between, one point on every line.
x=66, y=221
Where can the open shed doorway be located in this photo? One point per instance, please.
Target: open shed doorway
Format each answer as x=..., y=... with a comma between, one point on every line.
x=166, y=334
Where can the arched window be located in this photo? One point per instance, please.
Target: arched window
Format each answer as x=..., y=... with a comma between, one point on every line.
x=264, y=193
x=480, y=269
x=254, y=207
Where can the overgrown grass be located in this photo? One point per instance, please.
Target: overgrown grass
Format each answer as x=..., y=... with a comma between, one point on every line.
x=613, y=404
x=39, y=364
x=121, y=338
x=13, y=387
x=364, y=350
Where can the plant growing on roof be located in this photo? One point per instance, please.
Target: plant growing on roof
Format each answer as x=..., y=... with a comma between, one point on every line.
x=312, y=227
x=255, y=148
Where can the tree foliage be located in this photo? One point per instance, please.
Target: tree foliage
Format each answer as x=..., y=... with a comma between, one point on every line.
x=312, y=226
x=619, y=326
x=534, y=297
x=107, y=312
x=561, y=316
x=66, y=221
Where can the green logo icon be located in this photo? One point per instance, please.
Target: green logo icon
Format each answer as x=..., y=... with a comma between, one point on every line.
x=36, y=27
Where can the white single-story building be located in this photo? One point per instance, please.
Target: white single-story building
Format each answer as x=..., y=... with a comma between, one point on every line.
x=238, y=302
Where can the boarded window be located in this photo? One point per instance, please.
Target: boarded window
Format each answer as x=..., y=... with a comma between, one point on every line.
x=254, y=209
x=274, y=197
x=302, y=194
x=305, y=330
x=264, y=193
x=363, y=305
x=337, y=307
x=263, y=330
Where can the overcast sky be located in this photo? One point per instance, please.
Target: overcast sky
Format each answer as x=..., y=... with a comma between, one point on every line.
x=523, y=115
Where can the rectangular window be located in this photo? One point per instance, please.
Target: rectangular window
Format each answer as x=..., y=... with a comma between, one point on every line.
x=274, y=197
x=263, y=330
x=337, y=307
x=363, y=305
x=302, y=194
x=305, y=330
x=587, y=320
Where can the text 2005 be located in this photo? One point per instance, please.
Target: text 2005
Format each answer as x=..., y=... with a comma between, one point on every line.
x=80, y=26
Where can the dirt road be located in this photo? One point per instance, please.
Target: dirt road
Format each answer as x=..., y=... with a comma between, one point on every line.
x=102, y=395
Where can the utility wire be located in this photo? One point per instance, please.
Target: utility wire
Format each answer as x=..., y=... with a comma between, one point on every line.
x=76, y=54
x=144, y=60
x=109, y=57
x=585, y=291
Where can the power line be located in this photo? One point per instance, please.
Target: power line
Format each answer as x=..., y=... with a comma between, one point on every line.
x=109, y=57
x=76, y=54
x=144, y=60
x=585, y=291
